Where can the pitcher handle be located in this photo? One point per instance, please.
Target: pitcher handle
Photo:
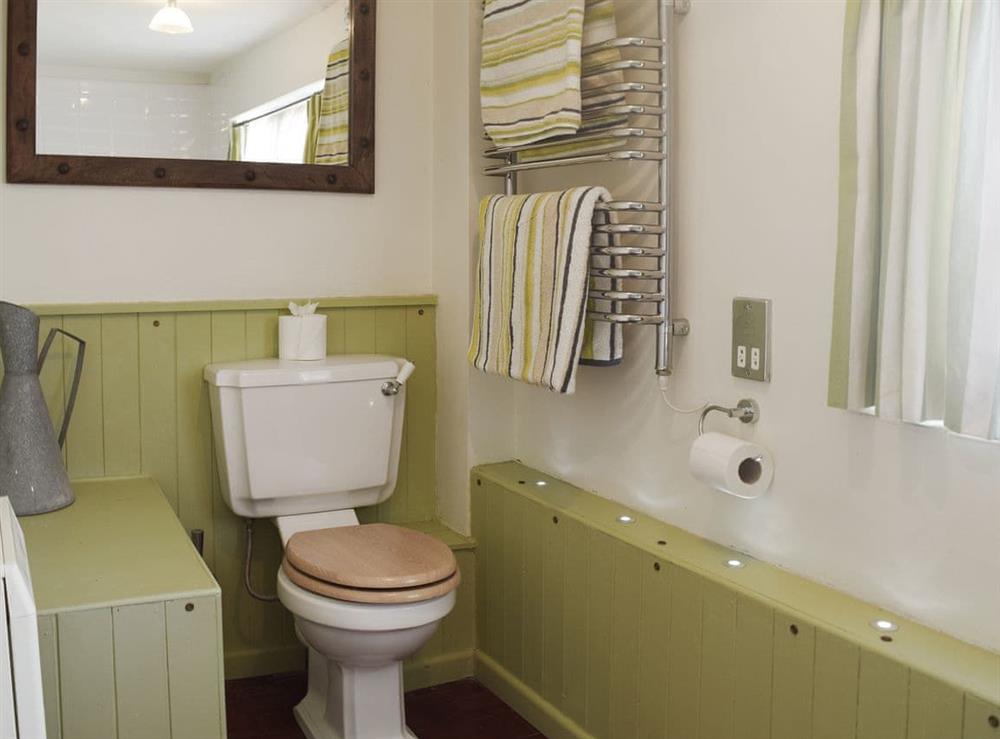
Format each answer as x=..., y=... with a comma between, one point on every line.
x=77, y=374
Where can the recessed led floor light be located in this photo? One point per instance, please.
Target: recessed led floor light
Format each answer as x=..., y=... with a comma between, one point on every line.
x=626, y=519
x=735, y=563
x=882, y=624
x=541, y=483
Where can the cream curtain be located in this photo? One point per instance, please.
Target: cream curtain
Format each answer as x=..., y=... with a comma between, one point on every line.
x=916, y=334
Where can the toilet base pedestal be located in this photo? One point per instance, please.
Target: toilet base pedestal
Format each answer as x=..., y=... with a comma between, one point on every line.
x=353, y=701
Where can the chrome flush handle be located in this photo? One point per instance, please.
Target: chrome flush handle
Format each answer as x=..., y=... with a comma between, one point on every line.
x=392, y=387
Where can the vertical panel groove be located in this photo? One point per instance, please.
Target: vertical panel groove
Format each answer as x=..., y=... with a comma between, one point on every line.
x=835, y=688
x=48, y=643
x=883, y=688
x=718, y=663
x=655, y=628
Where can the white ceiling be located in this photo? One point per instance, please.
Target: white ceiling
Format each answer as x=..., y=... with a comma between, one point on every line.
x=115, y=34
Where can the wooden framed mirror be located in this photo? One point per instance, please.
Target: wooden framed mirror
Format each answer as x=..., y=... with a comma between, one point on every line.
x=270, y=94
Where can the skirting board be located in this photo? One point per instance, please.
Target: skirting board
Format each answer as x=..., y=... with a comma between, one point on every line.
x=270, y=660
x=529, y=704
x=418, y=673
x=444, y=668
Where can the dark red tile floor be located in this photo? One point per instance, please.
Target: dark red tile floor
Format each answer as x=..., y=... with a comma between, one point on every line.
x=261, y=708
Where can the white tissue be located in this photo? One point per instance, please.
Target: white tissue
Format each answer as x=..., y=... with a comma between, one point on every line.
x=732, y=465
x=302, y=335
x=306, y=309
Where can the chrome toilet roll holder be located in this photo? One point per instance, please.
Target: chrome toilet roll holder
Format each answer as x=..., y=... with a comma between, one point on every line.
x=747, y=411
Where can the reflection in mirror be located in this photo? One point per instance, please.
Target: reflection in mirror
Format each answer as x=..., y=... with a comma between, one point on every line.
x=261, y=81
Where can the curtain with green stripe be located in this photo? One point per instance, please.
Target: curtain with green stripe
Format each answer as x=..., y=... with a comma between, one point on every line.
x=235, y=143
x=916, y=330
x=313, y=110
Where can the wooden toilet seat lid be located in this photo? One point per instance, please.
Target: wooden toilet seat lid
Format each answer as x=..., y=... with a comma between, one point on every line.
x=375, y=556
x=370, y=595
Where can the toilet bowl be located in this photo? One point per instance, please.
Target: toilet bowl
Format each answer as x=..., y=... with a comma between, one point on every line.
x=356, y=653
x=304, y=443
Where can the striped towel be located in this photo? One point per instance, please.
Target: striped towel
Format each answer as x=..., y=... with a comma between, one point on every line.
x=531, y=289
x=598, y=26
x=332, y=137
x=602, y=341
x=530, y=75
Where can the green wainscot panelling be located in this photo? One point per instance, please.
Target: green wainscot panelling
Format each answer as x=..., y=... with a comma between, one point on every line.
x=449, y=653
x=143, y=410
x=594, y=628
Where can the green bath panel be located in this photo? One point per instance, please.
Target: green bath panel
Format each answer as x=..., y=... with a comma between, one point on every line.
x=591, y=628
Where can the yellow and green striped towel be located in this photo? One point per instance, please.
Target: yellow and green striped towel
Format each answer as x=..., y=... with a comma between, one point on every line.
x=603, y=344
x=598, y=26
x=530, y=72
x=531, y=287
x=332, y=138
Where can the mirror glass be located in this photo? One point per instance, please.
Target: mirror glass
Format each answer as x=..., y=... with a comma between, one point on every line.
x=258, y=81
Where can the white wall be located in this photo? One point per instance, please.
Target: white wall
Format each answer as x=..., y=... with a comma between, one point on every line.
x=106, y=244
x=902, y=516
x=463, y=438
x=293, y=59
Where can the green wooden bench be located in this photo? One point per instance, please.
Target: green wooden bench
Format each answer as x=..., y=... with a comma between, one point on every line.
x=129, y=618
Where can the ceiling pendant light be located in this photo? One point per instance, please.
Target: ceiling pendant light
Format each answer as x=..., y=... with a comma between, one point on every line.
x=171, y=19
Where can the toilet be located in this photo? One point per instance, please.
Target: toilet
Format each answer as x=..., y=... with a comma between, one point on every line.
x=305, y=443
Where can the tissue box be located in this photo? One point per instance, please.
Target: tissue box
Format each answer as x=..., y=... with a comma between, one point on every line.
x=302, y=337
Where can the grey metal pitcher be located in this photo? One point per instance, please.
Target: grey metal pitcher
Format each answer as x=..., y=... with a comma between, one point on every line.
x=32, y=473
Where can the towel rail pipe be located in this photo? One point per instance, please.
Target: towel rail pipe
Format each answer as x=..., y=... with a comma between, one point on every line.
x=627, y=251
x=638, y=205
x=628, y=228
x=626, y=274
x=649, y=88
x=644, y=64
x=625, y=132
x=611, y=156
x=621, y=109
x=622, y=42
x=663, y=331
x=625, y=318
x=631, y=297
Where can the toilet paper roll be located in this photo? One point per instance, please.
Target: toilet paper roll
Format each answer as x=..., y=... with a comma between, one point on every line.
x=302, y=337
x=731, y=465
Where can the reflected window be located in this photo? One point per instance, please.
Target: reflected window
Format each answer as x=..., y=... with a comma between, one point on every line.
x=277, y=136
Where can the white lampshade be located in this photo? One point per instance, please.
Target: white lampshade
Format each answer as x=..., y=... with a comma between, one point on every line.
x=171, y=19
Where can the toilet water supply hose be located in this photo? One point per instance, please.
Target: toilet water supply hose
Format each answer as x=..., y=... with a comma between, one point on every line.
x=247, y=561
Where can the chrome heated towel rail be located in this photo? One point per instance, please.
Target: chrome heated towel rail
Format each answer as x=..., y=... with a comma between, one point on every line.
x=631, y=247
